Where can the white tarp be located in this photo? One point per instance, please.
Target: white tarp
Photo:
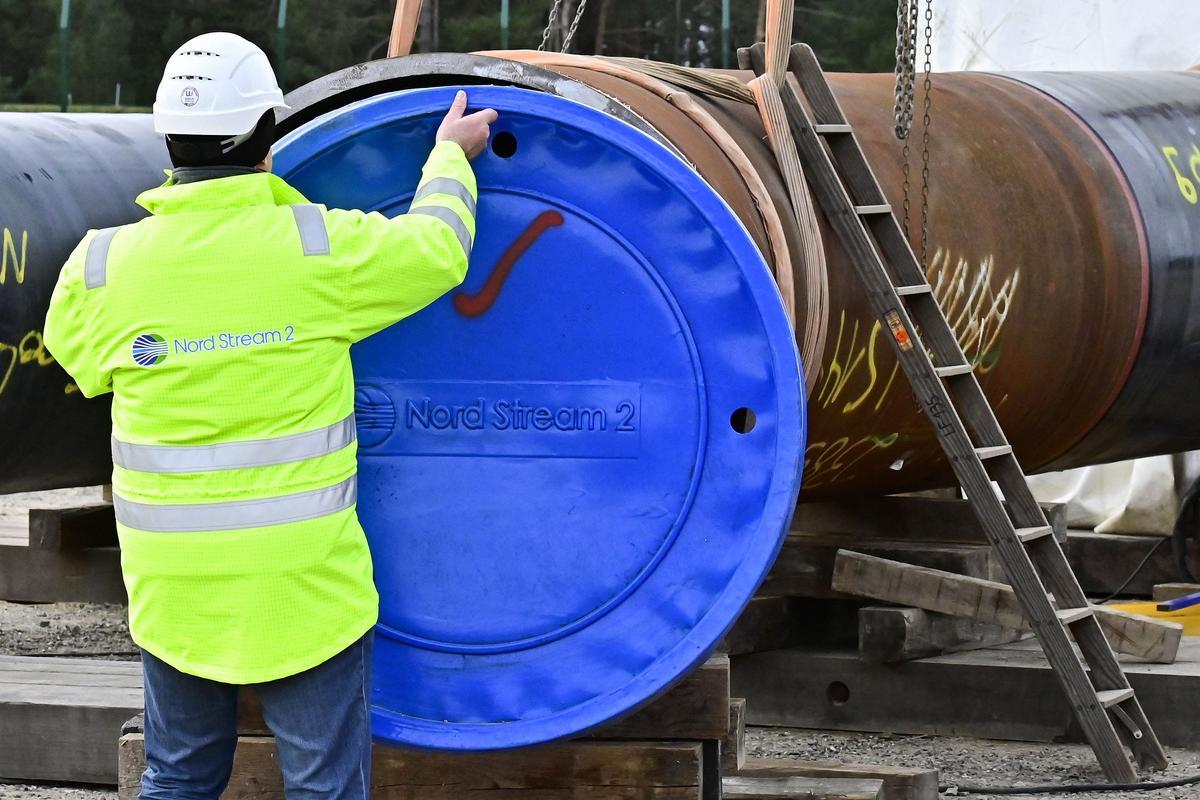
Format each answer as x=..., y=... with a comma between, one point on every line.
x=1008, y=35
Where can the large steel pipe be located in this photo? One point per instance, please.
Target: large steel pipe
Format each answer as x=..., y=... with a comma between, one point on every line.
x=1061, y=241
x=61, y=175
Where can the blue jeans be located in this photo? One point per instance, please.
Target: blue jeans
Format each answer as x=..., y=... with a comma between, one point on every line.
x=320, y=718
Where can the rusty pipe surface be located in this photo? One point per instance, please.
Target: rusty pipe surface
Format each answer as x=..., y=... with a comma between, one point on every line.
x=1037, y=249
x=1060, y=243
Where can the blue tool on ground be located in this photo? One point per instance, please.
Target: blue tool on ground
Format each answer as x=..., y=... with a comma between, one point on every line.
x=1180, y=603
x=574, y=471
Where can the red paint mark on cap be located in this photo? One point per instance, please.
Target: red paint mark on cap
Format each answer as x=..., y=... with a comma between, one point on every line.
x=476, y=305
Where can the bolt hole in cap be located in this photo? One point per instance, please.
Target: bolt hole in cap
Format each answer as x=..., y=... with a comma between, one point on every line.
x=562, y=520
x=504, y=144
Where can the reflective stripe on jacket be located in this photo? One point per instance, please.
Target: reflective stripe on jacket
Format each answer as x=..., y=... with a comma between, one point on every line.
x=222, y=326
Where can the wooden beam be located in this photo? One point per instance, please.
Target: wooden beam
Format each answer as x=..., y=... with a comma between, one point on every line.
x=61, y=529
x=899, y=783
x=747, y=788
x=695, y=708
x=59, y=717
x=1007, y=692
x=988, y=601
x=1173, y=591
x=579, y=770
x=906, y=519
x=404, y=27
x=733, y=746
x=33, y=575
x=890, y=634
x=804, y=567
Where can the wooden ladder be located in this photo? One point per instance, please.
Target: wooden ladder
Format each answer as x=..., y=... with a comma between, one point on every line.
x=846, y=189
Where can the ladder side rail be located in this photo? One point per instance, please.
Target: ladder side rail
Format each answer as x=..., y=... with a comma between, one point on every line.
x=814, y=84
x=847, y=152
x=973, y=475
x=1057, y=574
x=971, y=402
x=997, y=527
x=828, y=187
x=1060, y=581
x=893, y=241
x=859, y=179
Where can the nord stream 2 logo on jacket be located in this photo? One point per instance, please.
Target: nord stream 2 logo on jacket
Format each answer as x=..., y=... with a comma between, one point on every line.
x=213, y=341
x=222, y=324
x=149, y=349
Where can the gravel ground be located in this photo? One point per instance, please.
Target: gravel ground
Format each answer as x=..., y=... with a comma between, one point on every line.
x=65, y=629
x=26, y=792
x=970, y=761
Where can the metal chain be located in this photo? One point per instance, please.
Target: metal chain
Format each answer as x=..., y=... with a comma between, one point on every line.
x=553, y=18
x=906, y=57
x=925, y=136
x=550, y=24
x=574, y=26
x=906, y=67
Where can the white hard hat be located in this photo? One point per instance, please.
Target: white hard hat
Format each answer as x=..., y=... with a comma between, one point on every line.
x=217, y=84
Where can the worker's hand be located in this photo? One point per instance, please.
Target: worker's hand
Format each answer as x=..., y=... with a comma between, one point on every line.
x=469, y=132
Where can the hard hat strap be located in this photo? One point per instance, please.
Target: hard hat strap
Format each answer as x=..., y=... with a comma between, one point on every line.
x=243, y=150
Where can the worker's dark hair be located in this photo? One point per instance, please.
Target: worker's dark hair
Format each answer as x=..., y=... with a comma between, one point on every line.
x=224, y=151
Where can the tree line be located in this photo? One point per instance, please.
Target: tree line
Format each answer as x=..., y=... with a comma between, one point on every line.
x=126, y=42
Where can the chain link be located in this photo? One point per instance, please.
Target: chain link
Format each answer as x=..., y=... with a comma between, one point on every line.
x=906, y=67
x=906, y=57
x=550, y=24
x=925, y=135
x=574, y=25
x=908, y=18
x=553, y=19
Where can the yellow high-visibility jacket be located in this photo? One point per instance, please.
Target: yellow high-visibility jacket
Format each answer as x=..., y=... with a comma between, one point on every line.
x=222, y=326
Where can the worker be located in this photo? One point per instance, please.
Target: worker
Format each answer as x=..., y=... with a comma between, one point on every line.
x=222, y=325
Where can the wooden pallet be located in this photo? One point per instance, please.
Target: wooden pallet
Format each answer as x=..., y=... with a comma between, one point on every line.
x=990, y=602
x=890, y=783
x=1007, y=692
x=60, y=717
x=582, y=770
x=63, y=555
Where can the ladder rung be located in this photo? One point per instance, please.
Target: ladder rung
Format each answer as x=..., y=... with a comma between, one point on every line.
x=878, y=208
x=1111, y=697
x=955, y=369
x=1069, y=616
x=985, y=453
x=1032, y=534
x=831, y=127
x=920, y=288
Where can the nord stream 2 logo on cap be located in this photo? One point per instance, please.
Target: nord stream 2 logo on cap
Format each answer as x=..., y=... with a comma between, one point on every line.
x=149, y=349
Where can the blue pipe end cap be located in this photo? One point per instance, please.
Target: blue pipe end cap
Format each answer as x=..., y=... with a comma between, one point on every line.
x=576, y=469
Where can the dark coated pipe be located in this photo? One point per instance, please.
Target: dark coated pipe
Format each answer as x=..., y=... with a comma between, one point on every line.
x=62, y=174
